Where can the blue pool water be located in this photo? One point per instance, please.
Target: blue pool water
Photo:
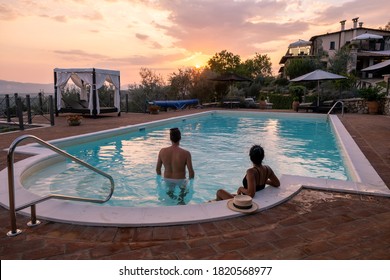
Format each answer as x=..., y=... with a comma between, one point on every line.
x=219, y=144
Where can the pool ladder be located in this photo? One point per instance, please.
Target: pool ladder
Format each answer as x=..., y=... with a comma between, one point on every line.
x=334, y=105
x=11, y=184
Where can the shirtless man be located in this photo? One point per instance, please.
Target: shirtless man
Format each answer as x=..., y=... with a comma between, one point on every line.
x=175, y=159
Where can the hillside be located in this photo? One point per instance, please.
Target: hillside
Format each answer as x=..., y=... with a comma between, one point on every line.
x=9, y=87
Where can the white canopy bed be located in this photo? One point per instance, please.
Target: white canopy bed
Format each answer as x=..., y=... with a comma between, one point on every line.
x=89, y=100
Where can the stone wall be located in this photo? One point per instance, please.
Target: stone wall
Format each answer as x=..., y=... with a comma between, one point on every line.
x=355, y=105
x=385, y=105
x=359, y=106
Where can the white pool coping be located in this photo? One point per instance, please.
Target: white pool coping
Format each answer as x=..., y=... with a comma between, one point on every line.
x=365, y=181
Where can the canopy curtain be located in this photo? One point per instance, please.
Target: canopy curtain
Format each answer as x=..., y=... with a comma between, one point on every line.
x=87, y=77
x=115, y=81
x=81, y=81
x=100, y=79
x=62, y=80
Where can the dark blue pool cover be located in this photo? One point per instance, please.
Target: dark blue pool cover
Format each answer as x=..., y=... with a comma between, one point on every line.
x=177, y=104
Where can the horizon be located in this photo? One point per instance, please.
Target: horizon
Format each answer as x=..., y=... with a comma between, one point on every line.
x=163, y=36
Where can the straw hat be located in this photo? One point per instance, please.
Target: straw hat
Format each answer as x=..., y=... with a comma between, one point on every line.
x=243, y=204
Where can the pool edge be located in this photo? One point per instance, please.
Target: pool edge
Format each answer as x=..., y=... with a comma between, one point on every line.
x=205, y=212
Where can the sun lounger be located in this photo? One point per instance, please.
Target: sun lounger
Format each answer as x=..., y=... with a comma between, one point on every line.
x=307, y=106
x=176, y=104
x=81, y=107
x=324, y=107
x=327, y=105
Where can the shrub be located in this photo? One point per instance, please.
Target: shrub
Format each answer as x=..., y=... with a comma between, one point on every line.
x=281, y=101
x=297, y=91
x=371, y=93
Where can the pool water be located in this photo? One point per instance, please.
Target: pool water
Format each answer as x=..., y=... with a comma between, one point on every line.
x=219, y=144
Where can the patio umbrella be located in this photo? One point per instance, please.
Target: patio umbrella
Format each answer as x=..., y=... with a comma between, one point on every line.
x=381, y=68
x=231, y=78
x=318, y=75
x=367, y=36
x=378, y=66
x=300, y=43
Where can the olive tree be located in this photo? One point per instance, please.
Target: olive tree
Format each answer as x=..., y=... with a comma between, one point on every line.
x=224, y=62
x=259, y=66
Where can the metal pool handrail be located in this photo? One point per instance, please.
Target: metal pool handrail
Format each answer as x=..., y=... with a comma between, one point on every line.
x=11, y=184
x=334, y=105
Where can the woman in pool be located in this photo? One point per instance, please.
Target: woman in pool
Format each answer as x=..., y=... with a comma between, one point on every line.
x=256, y=177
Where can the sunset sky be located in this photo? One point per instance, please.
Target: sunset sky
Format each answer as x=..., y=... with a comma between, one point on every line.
x=40, y=35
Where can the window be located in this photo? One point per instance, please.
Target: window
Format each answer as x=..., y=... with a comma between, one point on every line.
x=332, y=45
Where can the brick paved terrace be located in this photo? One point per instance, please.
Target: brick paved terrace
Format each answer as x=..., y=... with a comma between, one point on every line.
x=311, y=225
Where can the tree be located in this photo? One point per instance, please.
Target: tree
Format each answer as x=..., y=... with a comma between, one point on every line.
x=224, y=62
x=151, y=83
x=338, y=64
x=260, y=65
x=192, y=83
x=203, y=87
x=137, y=102
x=182, y=82
x=300, y=66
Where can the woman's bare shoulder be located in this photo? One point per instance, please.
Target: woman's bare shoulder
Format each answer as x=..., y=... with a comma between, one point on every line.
x=250, y=170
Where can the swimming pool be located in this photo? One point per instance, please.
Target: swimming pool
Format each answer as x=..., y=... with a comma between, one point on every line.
x=219, y=143
x=365, y=180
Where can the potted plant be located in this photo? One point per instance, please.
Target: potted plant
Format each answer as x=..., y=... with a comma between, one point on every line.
x=74, y=120
x=154, y=109
x=295, y=103
x=372, y=96
x=296, y=92
x=262, y=102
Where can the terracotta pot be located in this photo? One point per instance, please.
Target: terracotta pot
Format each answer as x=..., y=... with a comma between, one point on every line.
x=74, y=122
x=153, y=109
x=373, y=107
x=262, y=104
x=295, y=105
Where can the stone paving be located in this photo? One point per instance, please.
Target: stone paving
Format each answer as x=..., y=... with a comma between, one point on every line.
x=312, y=225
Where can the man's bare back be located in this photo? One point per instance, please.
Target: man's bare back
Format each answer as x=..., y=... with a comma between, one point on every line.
x=175, y=159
